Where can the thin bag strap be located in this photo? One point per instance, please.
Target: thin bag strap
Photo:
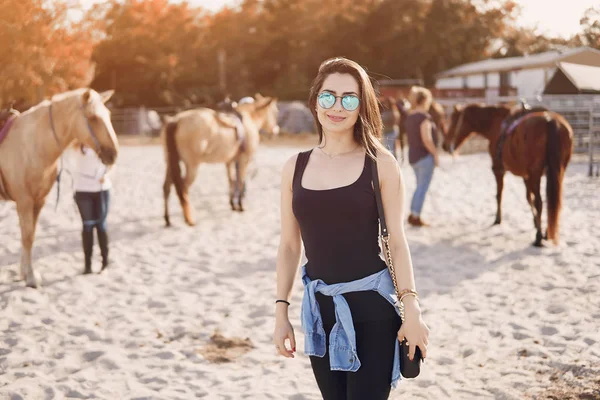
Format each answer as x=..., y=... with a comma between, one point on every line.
x=375, y=173
x=385, y=236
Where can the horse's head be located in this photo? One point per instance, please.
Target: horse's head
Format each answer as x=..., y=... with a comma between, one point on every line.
x=438, y=114
x=92, y=126
x=448, y=144
x=266, y=109
x=473, y=118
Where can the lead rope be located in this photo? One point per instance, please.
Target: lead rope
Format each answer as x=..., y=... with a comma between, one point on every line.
x=61, y=157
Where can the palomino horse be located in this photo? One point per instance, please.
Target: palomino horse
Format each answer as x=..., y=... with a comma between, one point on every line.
x=204, y=135
x=534, y=143
x=30, y=152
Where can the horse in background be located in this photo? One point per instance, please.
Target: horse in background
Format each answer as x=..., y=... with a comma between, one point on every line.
x=32, y=147
x=205, y=135
x=531, y=144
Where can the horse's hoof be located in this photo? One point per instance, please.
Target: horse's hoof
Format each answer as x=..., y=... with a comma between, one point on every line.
x=32, y=285
x=32, y=282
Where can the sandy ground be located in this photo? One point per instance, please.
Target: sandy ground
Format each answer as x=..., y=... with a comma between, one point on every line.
x=187, y=313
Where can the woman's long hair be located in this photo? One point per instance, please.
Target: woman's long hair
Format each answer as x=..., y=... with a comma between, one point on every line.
x=368, y=127
x=388, y=103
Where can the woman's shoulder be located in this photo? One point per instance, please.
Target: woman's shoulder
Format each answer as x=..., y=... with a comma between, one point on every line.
x=290, y=165
x=387, y=165
x=419, y=115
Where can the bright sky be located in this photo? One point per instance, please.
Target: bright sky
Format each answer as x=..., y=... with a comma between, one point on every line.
x=552, y=17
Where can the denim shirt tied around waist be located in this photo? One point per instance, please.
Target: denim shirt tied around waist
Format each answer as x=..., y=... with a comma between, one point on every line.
x=342, y=339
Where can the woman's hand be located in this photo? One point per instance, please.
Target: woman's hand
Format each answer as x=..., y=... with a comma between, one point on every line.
x=414, y=329
x=283, y=331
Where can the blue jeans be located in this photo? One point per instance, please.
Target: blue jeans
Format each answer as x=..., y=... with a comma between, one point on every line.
x=93, y=207
x=389, y=141
x=423, y=172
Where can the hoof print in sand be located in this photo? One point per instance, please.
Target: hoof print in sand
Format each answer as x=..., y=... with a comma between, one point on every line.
x=221, y=349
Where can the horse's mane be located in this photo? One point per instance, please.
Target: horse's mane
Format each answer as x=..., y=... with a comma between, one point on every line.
x=57, y=97
x=481, y=115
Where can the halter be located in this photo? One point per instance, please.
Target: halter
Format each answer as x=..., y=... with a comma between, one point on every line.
x=457, y=129
x=58, y=142
x=90, y=128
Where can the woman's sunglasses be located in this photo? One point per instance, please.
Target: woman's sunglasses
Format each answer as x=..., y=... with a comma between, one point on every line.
x=350, y=102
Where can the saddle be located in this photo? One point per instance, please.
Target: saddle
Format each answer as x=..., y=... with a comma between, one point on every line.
x=233, y=120
x=510, y=123
x=7, y=116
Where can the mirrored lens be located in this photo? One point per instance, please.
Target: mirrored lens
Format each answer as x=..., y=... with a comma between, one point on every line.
x=326, y=100
x=350, y=102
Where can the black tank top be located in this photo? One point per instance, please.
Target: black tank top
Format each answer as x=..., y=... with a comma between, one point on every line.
x=340, y=231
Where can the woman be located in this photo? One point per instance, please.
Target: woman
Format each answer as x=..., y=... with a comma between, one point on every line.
x=390, y=117
x=92, y=195
x=328, y=202
x=422, y=150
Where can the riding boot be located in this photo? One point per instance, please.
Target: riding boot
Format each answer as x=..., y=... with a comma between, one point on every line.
x=103, y=241
x=87, y=238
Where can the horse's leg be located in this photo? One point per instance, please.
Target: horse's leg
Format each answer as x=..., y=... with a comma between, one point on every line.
x=499, y=174
x=242, y=169
x=191, y=171
x=535, y=202
x=28, y=214
x=166, y=193
x=230, y=166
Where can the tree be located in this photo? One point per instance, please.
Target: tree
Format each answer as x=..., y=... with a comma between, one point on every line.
x=151, y=52
x=45, y=52
x=590, y=24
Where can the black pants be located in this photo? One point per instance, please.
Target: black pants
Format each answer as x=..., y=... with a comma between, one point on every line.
x=93, y=207
x=375, y=344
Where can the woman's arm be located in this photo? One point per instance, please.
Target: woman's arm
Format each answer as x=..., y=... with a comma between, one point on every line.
x=392, y=196
x=288, y=255
x=288, y=259
x=427, y=138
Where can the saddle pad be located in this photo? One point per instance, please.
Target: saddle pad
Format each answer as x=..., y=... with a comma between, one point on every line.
x=6, y=128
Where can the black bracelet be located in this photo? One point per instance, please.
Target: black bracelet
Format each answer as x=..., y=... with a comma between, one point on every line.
x=282, y=301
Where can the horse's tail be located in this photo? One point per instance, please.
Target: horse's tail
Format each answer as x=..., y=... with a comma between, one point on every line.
x=173, y=158
x=554, y=176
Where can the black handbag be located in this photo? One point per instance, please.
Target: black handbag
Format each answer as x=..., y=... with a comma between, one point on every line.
x=408, y=368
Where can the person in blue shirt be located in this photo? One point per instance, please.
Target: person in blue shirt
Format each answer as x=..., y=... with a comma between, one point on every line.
x=349, y=311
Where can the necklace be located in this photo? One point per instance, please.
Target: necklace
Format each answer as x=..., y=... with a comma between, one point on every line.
x=339, y=154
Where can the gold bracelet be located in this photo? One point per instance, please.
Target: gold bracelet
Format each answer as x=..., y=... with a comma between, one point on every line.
x=409, y=294
x=405, y=291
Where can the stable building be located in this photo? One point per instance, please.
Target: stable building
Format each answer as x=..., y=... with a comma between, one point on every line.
x=525, y=76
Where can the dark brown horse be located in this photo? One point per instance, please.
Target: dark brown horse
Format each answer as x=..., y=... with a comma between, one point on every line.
x=533, y=144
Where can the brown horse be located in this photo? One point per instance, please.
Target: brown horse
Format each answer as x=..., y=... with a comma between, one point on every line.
x=30, y=152
x=535, y=143
x=204, y=135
